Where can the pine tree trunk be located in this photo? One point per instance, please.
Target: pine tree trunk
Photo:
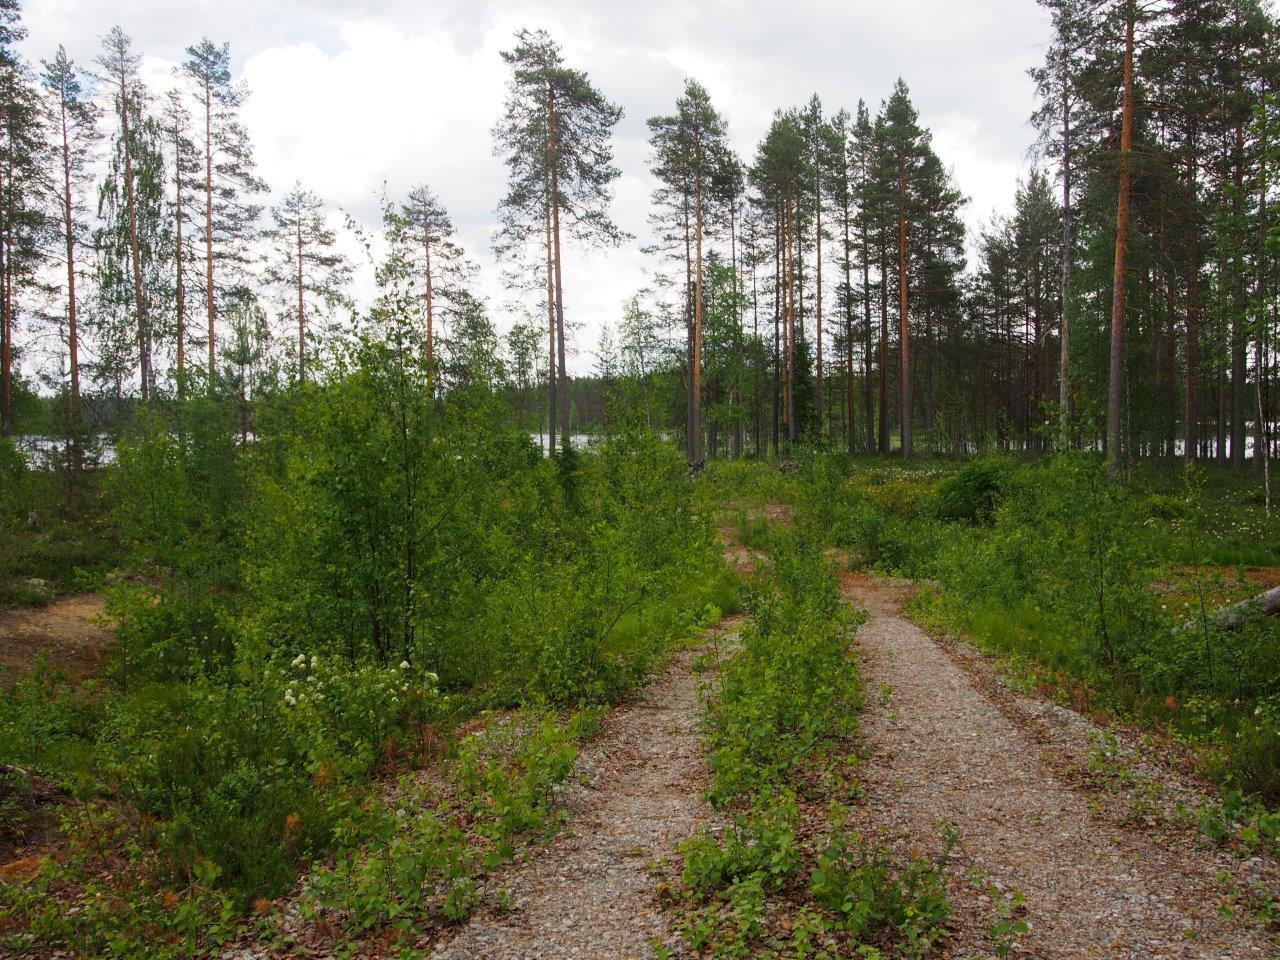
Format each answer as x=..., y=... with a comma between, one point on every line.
x=1115, y=393
x=777, y=322
x=431, y=334
x=553, y=405
x=695, y=366
x=904, y=327
x=555, y=237
x=1191, y=426
x=817, y=301
x=735, y=398
x=789, y=332
x=180, y=293
x=850, y=426
x=867, y=396
x=211, y=309
x=302, y=309
x=884, y=345
x=6, y=315
x=69, y=236
x=1238, y=352
x=1064, y=342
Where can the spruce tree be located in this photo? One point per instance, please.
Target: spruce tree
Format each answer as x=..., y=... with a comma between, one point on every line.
x=130, y=168
x=22, y=220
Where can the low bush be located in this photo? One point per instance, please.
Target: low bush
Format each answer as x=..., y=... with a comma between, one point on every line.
x=972, y=493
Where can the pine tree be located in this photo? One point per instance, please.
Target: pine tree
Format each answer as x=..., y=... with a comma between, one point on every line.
x=72, y=117
x=863, y=148
x=230, y=183
x=779, y=174
x=690, y=157
x=185, y=166
x=555, y=139
x=303, y=264
x=904, y=144
x=423, y=250
x=819, y=160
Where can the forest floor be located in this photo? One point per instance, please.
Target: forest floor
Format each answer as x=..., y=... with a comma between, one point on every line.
x=68, y=633
x=1071, y=827
x=1077, y=829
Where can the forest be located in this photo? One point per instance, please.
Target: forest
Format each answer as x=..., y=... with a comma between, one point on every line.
x=876, y=585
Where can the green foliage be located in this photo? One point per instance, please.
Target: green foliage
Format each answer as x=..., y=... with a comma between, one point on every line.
x=760, y=843
x=310, y=604
x=792, y=692
x=1055, y=565
x=418, y=855
x=972, y=493
x=861, y=887
x=51, y=540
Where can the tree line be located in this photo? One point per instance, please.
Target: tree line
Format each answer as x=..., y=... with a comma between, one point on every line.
x=822, y=290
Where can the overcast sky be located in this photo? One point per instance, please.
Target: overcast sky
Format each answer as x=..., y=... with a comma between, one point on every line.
x=346, y=94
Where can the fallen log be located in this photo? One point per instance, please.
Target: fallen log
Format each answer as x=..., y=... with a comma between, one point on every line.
x=1230, y=617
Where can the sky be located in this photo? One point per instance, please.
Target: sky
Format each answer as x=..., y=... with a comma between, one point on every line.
x=346, y=95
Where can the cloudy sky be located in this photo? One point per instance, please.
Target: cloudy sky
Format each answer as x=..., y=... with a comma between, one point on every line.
x=347, y=94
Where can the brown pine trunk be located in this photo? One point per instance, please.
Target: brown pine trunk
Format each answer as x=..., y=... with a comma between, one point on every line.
x=1238, y=352
x=555, y=238
x=687, y=227
x=735, y=397
x=817, y=301
x=1064, y=341
x=302, y=308
x=6, y=316
x=210, y=302
x=784, y=290
x=1115, y=393
x=869, y=412
x=1191, y=425
x=431, y=334
x=68, y=226
x=904, y=329
x=553, y=405
x=884, y=345
x=850, y=428
x=180, y=292
x=695, y=375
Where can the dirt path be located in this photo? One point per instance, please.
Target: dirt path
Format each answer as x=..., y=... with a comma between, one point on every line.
x=590, y=893
x=942, y=750
x=68, y=631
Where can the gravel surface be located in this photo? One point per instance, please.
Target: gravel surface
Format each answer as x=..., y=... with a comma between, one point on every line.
x=591, y=892
x=940, y=749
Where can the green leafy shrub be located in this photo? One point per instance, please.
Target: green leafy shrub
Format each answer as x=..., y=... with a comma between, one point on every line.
x=760, y=843
x=792, y=691
x=872, y=900
x=972, y=493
